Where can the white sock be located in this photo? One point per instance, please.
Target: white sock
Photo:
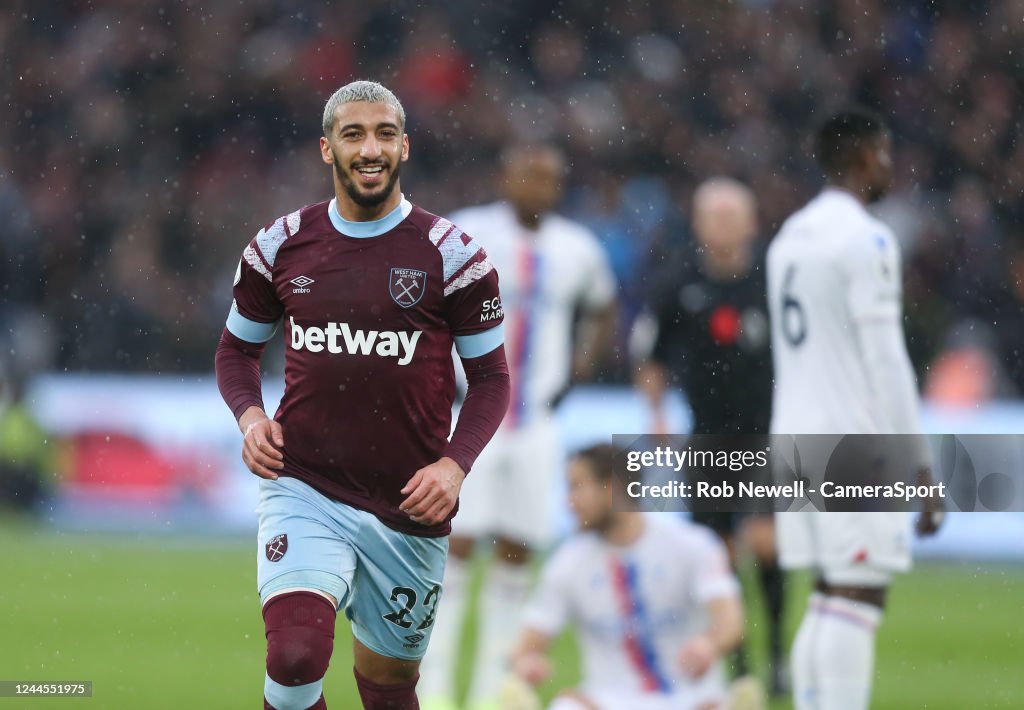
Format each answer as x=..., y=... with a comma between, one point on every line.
x=844, y=649
x=501, y=605
x=834, y=655
x=291, y=697
x=801, y=657
x=437, y=670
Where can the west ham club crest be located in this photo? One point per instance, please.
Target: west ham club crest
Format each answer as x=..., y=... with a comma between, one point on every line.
x=407, y=286
x=277, y=546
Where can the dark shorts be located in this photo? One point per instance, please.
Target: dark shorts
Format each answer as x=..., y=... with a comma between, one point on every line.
x=725, y=515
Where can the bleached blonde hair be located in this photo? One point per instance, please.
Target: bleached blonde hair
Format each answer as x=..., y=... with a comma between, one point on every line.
x=369, y=91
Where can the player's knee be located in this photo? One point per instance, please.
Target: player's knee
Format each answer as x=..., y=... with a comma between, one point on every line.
x=298, y=656
x=300, y=637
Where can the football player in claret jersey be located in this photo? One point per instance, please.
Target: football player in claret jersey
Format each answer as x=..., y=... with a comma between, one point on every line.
x=552, y=269
x=652, y=598
x=359, y=480
x=841, y=367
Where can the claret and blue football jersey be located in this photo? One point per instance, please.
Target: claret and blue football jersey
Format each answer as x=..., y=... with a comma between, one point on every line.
x=360, y=304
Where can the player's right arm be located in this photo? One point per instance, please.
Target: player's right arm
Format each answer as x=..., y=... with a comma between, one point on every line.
x=253, y=319
x=651, y=344
x=651, y=378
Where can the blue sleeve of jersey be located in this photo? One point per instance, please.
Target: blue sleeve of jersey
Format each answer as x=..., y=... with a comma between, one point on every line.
x=477, y=344
x=249, y=330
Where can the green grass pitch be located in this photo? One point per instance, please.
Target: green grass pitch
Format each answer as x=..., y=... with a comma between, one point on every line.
x=172, y=623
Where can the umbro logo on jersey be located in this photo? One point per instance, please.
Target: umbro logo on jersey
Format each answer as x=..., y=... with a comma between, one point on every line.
x=407, y=286
x=339, y=339
x=301, y=283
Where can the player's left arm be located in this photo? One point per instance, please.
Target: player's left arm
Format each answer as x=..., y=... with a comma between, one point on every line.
x=599, y=313
x=529, y=657
x=875, y=301
x=474, y=314
x=724, y=633
x=434, y=489
x=716, y=589
x=548, y=612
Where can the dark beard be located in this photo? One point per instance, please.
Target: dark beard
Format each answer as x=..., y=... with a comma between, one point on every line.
x=360, y=198
x=601, y=524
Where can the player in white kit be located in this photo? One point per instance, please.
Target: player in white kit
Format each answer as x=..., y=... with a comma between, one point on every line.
x=841, y=367
x=652, y=597
x=551, y=270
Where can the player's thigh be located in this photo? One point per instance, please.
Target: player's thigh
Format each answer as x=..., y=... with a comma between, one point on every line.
x=864, y=549
x=385, y=670
x=477, y=497
x=813, y=538
x=395, y=589
x=532, y=487
x=298, y=544
x=795, y=539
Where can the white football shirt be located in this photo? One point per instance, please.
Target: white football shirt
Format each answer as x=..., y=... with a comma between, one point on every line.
x=635, y=606
x=834, y=289
x=544, y=276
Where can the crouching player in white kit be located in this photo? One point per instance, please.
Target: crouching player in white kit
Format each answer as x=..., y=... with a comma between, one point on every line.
x=841, y=367
x=654, y=601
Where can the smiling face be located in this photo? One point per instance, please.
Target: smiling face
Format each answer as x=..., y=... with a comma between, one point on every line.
x=366, y=147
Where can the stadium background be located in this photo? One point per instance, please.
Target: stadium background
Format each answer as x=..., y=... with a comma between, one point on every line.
x=145, y=142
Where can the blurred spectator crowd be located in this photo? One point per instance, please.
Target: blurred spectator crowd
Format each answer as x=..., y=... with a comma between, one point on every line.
x=146, y=142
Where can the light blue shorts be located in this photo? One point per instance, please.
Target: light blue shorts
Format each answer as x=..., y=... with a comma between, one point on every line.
x=389, y=583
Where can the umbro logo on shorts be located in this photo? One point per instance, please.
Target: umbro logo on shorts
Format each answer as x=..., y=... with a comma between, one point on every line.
x=414, y=640
x=277, y=547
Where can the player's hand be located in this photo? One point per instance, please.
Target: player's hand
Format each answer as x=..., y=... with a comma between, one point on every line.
x=262, y=443
x=933, y=511
x=929, y=522
x=697, y=656
x=534, y=668
x=432, y=491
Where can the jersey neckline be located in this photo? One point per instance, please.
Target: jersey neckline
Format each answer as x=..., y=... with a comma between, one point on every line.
x=365, y=230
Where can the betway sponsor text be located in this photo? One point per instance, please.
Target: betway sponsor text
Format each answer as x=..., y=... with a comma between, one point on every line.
x=341, y=339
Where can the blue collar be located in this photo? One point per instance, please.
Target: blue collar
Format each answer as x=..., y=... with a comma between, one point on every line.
x=377, y=227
